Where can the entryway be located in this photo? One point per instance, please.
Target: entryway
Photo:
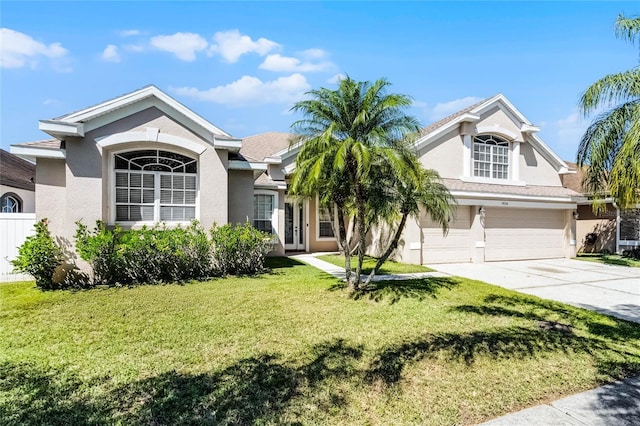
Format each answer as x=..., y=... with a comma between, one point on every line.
x=294, y=225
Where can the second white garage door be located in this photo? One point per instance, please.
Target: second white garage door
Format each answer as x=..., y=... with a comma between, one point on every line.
x=454, y=247
x=519, y=234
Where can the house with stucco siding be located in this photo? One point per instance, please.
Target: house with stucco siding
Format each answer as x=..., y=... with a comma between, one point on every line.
x=144, y=158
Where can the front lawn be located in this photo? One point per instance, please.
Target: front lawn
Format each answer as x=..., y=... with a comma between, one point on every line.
x=294, y=346
x=609, y=259
x=388, y=267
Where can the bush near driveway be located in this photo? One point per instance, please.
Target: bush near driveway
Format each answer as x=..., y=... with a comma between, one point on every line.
x=290, y=347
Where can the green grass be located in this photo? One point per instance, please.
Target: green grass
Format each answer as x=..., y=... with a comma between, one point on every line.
x=609, y=259
x=294, y=346
x=388, y=267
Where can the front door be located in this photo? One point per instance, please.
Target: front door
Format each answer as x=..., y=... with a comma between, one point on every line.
x=294, y=226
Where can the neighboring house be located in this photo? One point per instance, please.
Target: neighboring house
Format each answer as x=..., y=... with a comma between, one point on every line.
x=609, y=230
x=143, y=158
x=17, y=187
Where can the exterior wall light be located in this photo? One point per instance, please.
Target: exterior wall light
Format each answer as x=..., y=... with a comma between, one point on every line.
x=575, y=214
x=481, y=211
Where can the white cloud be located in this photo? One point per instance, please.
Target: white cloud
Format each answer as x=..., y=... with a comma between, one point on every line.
x=183, y=45
x=129, y=33
x=444, y=109
x=110, y=54
x=281, y=63
x=251, y=91
x=231, y=45
x=310, y=54
x=336, y=78
x=18, y=50
x=50, y=101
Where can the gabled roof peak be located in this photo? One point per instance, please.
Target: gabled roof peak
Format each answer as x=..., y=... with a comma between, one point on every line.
x=79, y=122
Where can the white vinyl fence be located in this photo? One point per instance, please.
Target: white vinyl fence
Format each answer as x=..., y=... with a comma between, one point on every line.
x=14, y=230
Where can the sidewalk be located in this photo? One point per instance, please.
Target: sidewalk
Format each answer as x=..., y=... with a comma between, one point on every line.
x=613, y=404
x=338, y=272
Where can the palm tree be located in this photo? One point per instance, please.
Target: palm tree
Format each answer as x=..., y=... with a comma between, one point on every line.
x=610, y=146
x=344, y=133
x=400, y=196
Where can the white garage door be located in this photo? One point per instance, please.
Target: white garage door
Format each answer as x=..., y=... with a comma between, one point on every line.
x=519, y=234
x=454, y=247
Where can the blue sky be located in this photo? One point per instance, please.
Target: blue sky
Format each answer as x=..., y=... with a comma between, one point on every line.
x=242, y=65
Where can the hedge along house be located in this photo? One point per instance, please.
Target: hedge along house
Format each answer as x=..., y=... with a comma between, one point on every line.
x=139, y=159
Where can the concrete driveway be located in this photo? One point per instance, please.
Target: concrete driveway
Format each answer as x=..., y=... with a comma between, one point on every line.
x=610, y=289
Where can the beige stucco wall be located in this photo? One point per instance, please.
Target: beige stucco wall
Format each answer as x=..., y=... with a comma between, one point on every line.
x=28, y=197
x=51, y=197
x=444, y=155
x=240, y=195
x=312, y=225
x=498, y=119
x=535, y=169
x=603, y=224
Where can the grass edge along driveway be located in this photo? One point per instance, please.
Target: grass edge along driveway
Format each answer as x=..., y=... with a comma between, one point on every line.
x=294, y=346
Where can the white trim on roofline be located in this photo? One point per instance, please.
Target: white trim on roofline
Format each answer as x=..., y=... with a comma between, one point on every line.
x=490, y=195
x=513, y=113
x=258, y=168
x=517, y=204
x=90, y=113
x=60, y=129
x=31, y=153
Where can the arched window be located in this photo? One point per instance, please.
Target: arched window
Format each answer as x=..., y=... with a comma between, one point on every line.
x=10, y=203
x=154, y=186
x=490, y=157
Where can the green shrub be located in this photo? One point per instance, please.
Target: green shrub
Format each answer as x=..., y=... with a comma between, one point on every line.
x=239, y=250
x=98, y=248
x=39, y=256
x=147, y=255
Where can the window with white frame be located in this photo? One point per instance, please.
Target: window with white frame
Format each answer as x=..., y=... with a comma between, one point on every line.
x=10, y=203
x=155, y=185
x=263, y=205
x=325, y=222
x=490, y=157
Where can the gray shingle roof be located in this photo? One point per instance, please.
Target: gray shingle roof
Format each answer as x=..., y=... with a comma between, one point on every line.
x=434, y=126
x=258, y=147
x=457, y=185
x=16, y=172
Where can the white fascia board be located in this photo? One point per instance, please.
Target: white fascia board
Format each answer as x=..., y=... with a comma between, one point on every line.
x=287, y=152
x=59, y=129
x=549, y=154
x=246, y=165
x=33, y=152
x=258, y=168
x=506, y=106
x=277, y=185
x=231, y=144
x=148, y=92
x=289, y=169
x=517, y=204
x=492, y=195
x=527, y=128
x=430, y=137
x=273, y=160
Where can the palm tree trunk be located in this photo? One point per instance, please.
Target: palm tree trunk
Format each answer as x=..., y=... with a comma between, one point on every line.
x=342, y=239
x=390, y=249
x=360, y=204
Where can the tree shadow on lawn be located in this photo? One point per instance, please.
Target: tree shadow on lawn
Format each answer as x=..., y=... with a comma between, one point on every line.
x=528, y=307
x=252, y=390
x=393, y=291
